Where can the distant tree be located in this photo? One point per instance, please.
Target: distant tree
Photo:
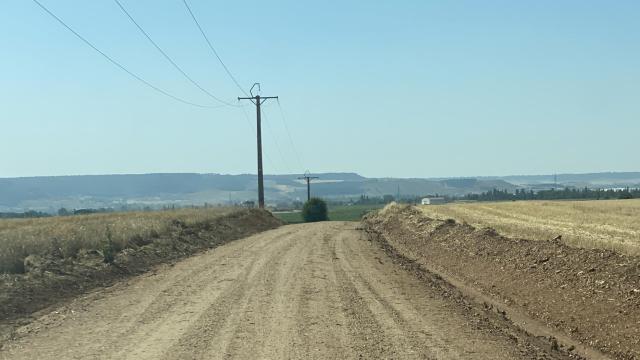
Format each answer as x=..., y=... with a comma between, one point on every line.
x=84, y=211
x=625, y=194
x=63, y=212
x=34, y=214
x=315, y=210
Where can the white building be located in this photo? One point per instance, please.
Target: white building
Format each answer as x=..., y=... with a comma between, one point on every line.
x=433, y=201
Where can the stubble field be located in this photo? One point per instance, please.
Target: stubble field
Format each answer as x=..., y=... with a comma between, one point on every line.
x=69, y=235
x=606, y=224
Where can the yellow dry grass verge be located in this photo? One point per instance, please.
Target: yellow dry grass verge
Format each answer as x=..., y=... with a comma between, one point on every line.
x=22, y=237
x=609, y=224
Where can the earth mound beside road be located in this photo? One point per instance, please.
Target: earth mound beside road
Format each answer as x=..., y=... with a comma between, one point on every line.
x=52, y=279
x=590, y=295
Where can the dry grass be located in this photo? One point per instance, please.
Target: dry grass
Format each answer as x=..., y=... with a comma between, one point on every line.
x=22, y=237
x=609, y=224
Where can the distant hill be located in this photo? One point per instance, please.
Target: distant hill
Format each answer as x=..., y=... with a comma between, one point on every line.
x=154, y=190
x=118, y=191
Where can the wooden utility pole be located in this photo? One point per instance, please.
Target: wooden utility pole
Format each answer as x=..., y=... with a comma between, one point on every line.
x=308, y=178
x=258, y=100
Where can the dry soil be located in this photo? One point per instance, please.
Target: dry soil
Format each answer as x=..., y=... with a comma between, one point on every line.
x=587, y=299
x=302, y=291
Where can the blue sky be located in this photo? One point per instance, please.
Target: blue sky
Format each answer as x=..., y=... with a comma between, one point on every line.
x=402, y=89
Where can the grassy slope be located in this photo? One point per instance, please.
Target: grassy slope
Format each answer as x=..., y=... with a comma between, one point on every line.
x=54, y=275
x=336, y=213
x=609, y=224
x=68, y=235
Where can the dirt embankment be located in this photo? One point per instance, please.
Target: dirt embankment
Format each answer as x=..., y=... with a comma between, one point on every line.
x=590, y=296
x=52, y=278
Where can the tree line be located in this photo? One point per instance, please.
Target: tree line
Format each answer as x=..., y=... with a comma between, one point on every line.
x=555, y=194
x=519, y=194
x=23, y=215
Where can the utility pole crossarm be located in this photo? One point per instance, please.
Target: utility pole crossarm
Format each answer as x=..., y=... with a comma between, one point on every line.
x=308, y=179
x=262, y=99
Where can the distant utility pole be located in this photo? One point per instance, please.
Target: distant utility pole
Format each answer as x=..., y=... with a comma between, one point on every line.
x=258, y=100
x=308, y=178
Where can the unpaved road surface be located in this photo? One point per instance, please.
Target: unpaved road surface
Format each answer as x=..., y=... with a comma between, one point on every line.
x=301, y=291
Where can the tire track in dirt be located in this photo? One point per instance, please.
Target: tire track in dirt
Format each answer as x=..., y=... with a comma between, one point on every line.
x=398, y=308
x=265, y=327
x=362, y=323
x=321, y=325
x=389, y=319
x=301, y=291
x=212, y=333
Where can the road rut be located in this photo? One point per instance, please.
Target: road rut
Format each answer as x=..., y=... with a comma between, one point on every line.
x=301, y=291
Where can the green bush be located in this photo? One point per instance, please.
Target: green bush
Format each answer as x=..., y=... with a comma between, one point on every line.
x=109, y=249
x=315, y=210
x=108, y=252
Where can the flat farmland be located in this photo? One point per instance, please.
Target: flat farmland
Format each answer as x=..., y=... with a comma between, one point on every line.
x=607, y=224
x=336, y=213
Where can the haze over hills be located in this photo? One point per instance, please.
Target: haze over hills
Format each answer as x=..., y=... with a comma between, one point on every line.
x=155, y=190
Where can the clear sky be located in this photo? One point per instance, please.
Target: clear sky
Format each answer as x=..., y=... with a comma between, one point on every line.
x=396, y=88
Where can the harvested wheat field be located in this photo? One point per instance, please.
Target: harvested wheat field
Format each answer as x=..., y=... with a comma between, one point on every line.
x=46, y=261
x=70, y=235
x=606, y=224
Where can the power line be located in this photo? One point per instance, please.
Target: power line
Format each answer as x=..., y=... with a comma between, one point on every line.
x=213, y=50
x=253, y=130
x=204, y=35
x=275, y=141
x=248, y=121
x=274, y=138
x=117, y=64
x=168, y=57
x=284, y=164
x=293, y=146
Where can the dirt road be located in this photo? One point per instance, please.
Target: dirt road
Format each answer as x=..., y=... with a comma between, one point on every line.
x=301, y=291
